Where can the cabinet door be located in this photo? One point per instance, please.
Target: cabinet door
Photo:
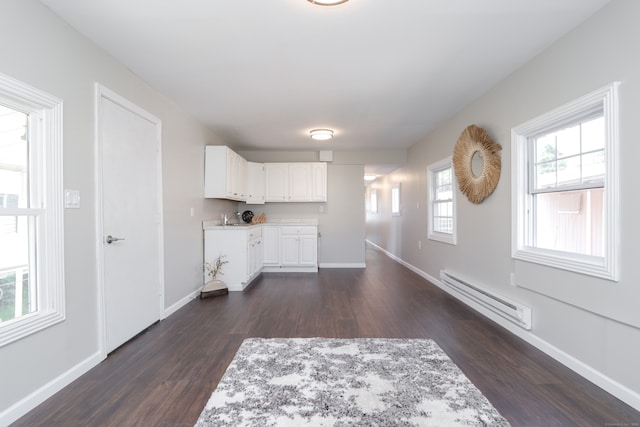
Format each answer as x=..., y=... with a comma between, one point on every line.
x=240, y=178
x=276, y=182
x=318, y=182
x=255, y=183
x=271, y=245
x=289, y=249
x=259, y=255
x=236, y=176
x=215, y=172
x=299, y=182
x=231, y=176
x=253, y=260
x=308, y=250
x=224, y=174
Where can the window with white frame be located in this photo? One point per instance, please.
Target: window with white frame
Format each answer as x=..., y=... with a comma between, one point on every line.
x=373, y=200
x=31, y=210
x=395, y=199
x=565, y=191
x=442, y=202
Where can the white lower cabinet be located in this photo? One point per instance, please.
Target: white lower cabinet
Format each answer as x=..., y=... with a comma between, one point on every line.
x=296, y=248
x=256, y=257
x=250, y=250
x=271, y=244
x=242, y=249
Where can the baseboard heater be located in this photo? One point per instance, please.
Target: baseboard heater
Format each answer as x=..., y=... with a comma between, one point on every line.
x=508, y=309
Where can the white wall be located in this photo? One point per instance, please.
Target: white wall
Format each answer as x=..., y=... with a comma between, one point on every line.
x=593, y=323
x=42, y=51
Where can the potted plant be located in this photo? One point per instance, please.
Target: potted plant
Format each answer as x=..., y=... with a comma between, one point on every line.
x=214, y=287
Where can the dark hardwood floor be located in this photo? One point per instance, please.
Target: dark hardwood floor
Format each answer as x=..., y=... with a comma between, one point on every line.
x=165, y=376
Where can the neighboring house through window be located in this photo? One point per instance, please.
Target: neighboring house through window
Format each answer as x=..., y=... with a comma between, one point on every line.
x=565, y=199
x=442, y=203
x=31, y=211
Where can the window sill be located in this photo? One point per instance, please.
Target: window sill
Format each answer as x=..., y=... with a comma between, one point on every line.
x=582, y=264
x=26, y=325
x=442, y=237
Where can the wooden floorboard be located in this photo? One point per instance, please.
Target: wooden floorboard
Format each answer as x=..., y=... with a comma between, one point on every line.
x=165, y=376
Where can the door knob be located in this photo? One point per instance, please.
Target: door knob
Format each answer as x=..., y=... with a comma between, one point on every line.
x=110, y=239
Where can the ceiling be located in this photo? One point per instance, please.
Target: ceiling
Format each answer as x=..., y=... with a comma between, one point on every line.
x=381, y=73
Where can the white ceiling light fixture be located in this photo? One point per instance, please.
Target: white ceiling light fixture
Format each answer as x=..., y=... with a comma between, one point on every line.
x=370, y=178
x=327, y=2
x=321, y=134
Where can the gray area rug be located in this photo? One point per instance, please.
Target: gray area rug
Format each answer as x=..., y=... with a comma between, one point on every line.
x=345, y=382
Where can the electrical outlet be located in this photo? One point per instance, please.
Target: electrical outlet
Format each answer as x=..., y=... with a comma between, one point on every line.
x=419, y=244
x=512, y=279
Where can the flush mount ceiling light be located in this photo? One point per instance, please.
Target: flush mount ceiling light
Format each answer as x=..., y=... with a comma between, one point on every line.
x=370, y=177
x=327, y=2
x=321, y=134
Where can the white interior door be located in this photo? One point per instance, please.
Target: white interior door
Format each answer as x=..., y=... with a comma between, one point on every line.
x=131, y=231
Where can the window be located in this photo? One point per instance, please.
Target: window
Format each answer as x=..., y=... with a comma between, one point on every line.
x=8, y=224
x=395, y=200
x=565, y=186
x=373, y=200
x=31, y=238
x=442, y=202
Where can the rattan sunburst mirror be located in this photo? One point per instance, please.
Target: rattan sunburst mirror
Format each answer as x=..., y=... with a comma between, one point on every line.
x=476, y=163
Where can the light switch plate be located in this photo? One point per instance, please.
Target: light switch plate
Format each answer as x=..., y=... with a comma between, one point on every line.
x=72, y=199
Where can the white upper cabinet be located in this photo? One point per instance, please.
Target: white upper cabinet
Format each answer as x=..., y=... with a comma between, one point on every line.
x=255, y=183
x=296, y=182
x=239, y=176
x=276, y=182
x=318, y=182
x=224, y=174
x=299, y=182
x=227, y=175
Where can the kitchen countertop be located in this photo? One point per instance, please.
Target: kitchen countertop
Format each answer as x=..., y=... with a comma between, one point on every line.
x=215, y=225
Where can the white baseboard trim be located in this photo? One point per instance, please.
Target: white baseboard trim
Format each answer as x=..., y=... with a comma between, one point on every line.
x=28, y=403
x=284, y=269
x=20, y=408
x=181, y=303
x=622, y=392
x=240, y=287
x=342, y=265
x=235, y=287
